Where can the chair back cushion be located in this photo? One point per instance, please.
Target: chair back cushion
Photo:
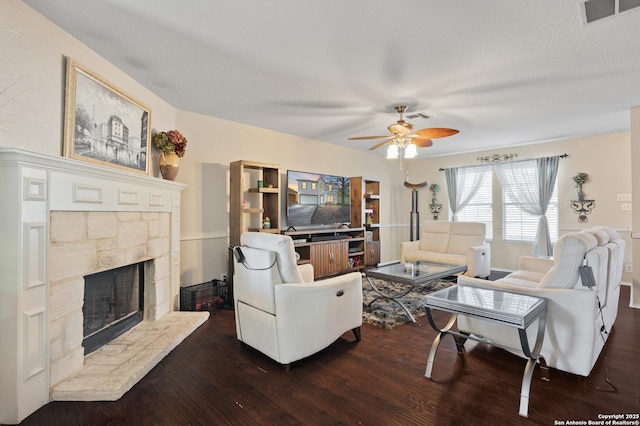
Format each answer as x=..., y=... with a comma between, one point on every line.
x=465, y=235
x=435, y=236
x=282, y=245
x=568, y=254
x=255, y=278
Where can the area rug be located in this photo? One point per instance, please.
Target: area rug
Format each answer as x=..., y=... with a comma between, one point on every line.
x=387, y=314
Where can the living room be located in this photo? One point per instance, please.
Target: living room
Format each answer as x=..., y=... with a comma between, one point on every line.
x=32, y=94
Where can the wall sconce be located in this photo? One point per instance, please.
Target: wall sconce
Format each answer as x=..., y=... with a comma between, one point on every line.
x=434, y=207
x=582, y=207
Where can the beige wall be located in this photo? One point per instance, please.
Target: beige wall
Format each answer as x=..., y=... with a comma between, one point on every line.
x=607, y=178
x=31, y=117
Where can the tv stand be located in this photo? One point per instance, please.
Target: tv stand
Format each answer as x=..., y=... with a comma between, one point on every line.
x=331, y=251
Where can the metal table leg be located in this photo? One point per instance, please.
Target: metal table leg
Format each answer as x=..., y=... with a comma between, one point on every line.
x=533, y=357
x=392, y=297
x=436, y=342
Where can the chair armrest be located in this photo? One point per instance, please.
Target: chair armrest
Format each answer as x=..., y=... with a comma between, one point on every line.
x=306, y=270
x=536, y=264
x=479, y=261
x=408, y=246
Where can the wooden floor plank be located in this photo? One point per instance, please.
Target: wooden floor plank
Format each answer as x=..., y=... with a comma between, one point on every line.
x=212, y=379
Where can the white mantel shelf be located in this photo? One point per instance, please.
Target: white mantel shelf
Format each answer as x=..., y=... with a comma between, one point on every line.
x=33, y=185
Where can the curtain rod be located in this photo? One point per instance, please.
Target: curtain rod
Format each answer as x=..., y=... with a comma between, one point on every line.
x=499, y=162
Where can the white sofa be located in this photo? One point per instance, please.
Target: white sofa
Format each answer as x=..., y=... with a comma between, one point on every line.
x=461, y=243
x=576, y=328
x=280, y=310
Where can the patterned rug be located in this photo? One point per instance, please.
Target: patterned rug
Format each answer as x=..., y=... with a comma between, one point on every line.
x=387, y=314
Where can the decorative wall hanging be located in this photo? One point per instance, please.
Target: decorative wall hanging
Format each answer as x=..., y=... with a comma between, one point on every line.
x=434, y=207
x=495, y=158
x=582, y=207
x=103, y=125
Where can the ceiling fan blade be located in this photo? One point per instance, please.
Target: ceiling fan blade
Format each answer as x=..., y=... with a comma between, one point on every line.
x=362, y=138
x=436, y=132
x=422, y=143
x=376, y=146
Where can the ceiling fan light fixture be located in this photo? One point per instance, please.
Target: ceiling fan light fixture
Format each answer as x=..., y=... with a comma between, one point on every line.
x=392, y=151
x=410, y=151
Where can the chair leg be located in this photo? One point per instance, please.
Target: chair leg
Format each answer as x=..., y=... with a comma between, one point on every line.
x=358, y=333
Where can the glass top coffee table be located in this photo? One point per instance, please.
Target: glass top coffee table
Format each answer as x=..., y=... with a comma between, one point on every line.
x=411, y=275
x=514, y=310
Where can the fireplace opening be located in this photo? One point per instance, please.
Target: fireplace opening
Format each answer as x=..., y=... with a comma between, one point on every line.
x=113, y=304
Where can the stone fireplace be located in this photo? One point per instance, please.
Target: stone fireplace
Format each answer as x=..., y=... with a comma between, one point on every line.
x=67, y=219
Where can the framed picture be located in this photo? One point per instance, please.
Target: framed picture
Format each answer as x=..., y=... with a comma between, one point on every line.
x=103, y=125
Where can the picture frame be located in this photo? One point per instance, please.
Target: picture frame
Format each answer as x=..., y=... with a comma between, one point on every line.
x=104, y=125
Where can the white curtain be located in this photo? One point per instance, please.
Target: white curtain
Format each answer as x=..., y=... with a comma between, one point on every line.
x=530, y=185
x=462, y=184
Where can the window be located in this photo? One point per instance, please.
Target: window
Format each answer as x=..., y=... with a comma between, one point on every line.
x=522, y=226
x=480, y=207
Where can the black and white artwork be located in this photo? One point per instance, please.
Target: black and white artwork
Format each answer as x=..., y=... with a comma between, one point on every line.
x=102, y=124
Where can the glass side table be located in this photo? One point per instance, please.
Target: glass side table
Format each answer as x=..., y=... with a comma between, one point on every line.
x=510, y=309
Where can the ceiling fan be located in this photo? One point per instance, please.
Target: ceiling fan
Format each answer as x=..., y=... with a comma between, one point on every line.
x=402, y=134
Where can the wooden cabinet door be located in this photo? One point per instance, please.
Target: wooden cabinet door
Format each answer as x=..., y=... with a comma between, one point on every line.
x=372, y=253
x=329, y=258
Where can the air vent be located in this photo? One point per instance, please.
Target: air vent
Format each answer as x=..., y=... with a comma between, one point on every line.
x=599, y=9
x=417, y=115
x=594, y=10
x=628, y=5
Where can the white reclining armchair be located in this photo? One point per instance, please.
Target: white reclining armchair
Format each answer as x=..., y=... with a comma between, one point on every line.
x=280, y=310
x=579, y=318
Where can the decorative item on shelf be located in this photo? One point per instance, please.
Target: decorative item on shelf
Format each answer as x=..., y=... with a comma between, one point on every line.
x=266, y=223
x=434, y=207
x=579, y=180
x=582, y=207
x=244, y=203
x=172, y=145
x=260, y=184
x=369, y=213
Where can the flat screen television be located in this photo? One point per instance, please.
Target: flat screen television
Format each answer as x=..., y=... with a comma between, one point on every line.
x=315, y=199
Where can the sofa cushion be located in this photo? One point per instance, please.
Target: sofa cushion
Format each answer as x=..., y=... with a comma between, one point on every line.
x=464, y=235
x=432, y=256
x=435, y=236
x=283, y=246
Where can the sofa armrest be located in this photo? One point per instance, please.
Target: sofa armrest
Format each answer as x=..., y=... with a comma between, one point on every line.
x=334, y=302
x=479, y=261
x=536, y=264
x=408, y=246
x=306, y=270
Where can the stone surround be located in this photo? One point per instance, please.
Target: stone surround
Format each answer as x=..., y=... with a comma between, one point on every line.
x=63, y=219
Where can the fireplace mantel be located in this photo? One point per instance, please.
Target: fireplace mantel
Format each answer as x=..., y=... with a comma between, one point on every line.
x=33, y=185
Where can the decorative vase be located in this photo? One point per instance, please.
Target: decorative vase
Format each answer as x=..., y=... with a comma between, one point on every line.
x=169, y=165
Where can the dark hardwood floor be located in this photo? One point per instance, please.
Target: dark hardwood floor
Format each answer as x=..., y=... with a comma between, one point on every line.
x=211, y=379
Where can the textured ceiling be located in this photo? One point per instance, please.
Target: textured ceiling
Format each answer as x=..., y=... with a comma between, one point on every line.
x=503, y=72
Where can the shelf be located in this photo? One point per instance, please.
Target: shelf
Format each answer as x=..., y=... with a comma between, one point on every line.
x=264, y=190
x=253, y=210
x=371, y=197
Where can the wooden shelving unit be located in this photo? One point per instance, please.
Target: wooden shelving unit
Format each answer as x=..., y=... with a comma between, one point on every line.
x=365, y=212
x=261, y=202
x=330, y=251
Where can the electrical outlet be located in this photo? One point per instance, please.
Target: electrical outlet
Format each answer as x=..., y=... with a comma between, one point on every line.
x=223, y=277
x=625, y=207
x=623, y=197
x=628, y=267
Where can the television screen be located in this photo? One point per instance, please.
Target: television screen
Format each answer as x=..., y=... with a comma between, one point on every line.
x=315, y=199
